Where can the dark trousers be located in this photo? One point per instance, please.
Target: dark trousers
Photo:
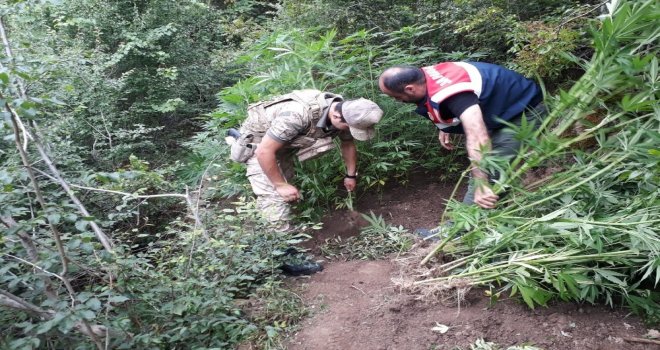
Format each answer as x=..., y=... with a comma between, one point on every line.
x=504, y=143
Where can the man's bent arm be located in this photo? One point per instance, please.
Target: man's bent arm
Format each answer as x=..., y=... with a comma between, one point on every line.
x=349, y=153
x=267, y=156
x=477, y=138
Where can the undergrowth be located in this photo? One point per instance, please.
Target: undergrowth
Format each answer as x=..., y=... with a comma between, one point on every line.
x=377, y=240
x=590, y=233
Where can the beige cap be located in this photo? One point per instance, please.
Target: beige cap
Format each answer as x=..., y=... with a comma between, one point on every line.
x=361, y=116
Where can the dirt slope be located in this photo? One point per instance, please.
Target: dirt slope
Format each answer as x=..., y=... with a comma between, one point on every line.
x=356, y=305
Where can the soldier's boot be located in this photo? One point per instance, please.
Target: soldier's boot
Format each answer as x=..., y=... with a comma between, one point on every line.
x=297, y=264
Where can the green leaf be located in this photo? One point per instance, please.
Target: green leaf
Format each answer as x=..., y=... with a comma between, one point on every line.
x=552, y=215
x=563, y=225
x=4, y=77
x=117, y=299
x=179, y=308
x=527, y=294
x=48, y=325
x=94, y=304
x=81, y=225
x=54, y=218
x=87, y=314
x=84, y=296
x=611, y=276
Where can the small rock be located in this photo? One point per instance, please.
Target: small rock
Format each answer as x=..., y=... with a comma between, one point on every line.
x=395, y=308
x=653, y=334
x=615, y=340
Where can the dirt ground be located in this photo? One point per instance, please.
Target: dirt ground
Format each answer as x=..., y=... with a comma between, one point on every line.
x=356, y=305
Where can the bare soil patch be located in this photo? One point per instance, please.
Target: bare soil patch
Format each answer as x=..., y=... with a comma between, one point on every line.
x=419, y=203
x=357, y=306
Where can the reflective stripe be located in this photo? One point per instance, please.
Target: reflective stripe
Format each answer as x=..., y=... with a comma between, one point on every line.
x=441, y=125
x=445, y=80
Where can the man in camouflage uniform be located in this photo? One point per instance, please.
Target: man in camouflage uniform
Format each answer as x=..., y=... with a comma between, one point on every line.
x=300, y=124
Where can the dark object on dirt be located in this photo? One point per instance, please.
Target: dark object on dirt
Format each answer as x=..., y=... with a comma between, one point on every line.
x=434, y=234
x=428, y=234
x=297, y=263
x=307, y=267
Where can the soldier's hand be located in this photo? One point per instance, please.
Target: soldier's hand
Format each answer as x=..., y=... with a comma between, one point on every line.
x=350, y=184
x=289, y=192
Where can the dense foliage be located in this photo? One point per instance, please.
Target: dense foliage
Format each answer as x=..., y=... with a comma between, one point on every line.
x=116, y=230
x=589, y=232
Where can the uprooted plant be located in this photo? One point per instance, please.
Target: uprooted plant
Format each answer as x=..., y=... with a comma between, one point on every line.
x=376, y=240
x=589, y=233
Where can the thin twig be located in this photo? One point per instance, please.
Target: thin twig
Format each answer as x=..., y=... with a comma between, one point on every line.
x=61, y=278
x=596, y=7
x=31, y=249
x=186, y=197
x=354, y=287
x=10, y=300
x=125, y=194
x=642, y=340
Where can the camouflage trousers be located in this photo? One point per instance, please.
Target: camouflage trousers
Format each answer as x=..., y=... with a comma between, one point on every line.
x=272, y=206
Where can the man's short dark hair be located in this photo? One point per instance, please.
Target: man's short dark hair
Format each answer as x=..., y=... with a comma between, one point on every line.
x=338, y=108
x=405, y=75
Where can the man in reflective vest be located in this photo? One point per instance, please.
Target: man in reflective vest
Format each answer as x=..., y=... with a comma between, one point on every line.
x=469, y=98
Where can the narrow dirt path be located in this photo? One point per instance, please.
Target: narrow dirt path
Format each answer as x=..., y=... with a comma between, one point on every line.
x=356, y=306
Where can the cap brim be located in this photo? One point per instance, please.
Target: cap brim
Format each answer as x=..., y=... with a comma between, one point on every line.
x=362, y=134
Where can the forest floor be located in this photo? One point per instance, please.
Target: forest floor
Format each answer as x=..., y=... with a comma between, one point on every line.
x=356, y=305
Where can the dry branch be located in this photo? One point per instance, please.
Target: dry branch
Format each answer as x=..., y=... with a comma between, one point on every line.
x=10, y=300
x=194, y=211
x=642, y=340
x=18, y=125
x=31, y=249
x=102, y=237
x=35, y=184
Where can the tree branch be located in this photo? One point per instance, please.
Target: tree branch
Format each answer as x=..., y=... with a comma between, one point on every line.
x=35, y=184
x=189, y=203
x=102, y=237
x=8, y=52
x=31, y=249
x=10, y=300
x=16, y=120
x=596, y=7
x=61, y=278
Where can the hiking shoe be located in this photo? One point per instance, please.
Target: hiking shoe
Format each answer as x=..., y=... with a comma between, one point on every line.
x=434, y=234
x=298, y=264
x=429, y=234
x=307, y=267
